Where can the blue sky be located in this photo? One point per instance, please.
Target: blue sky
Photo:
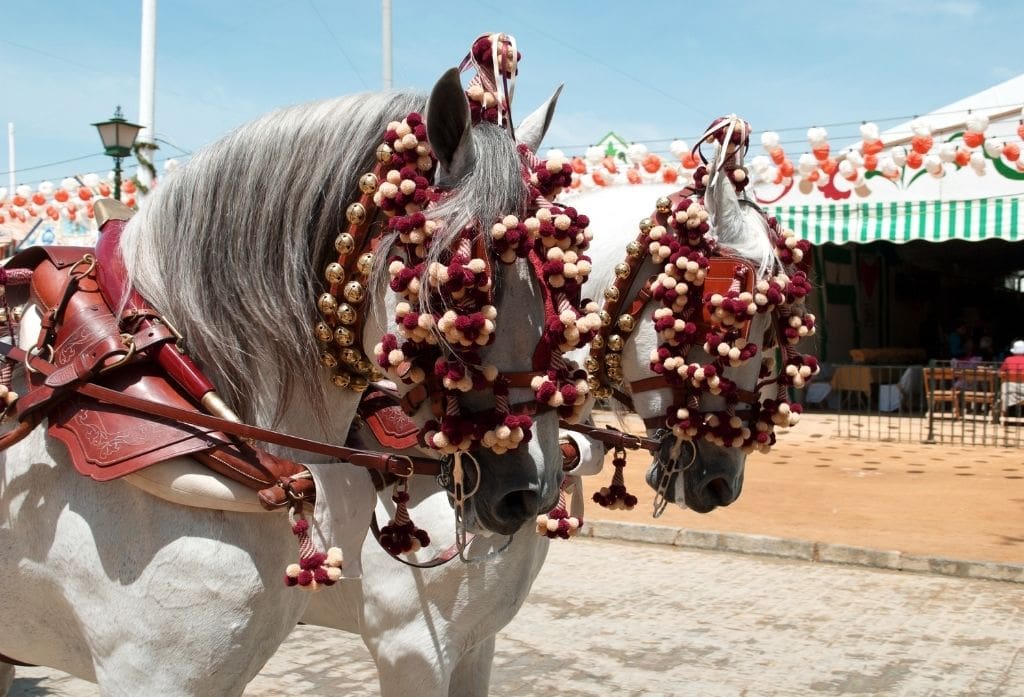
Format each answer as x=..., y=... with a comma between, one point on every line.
x=651, y=71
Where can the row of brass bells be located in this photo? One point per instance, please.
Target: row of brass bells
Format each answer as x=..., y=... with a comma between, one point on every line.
x=342, y=352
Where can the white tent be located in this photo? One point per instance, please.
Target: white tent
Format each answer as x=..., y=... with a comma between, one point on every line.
x=955, y=173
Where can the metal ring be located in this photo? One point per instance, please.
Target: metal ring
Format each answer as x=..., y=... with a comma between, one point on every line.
x=86, y=259
x=34, y=353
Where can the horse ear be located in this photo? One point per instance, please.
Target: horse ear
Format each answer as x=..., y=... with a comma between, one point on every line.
x=533, y=128
x=448, y=128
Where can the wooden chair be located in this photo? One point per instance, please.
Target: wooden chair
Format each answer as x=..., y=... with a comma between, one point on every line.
x=942, y=395
x=979, y=391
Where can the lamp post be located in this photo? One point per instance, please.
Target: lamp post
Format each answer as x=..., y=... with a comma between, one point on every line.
x=118, y=136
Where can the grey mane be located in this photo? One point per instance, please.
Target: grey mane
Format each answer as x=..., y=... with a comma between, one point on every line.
x=231, y=247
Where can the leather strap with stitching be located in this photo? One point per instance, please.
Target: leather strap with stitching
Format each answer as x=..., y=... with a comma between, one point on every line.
x=395, y=464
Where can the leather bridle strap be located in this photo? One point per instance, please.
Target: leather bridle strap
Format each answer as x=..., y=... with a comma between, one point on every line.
x=399, y=465
x=658, y=382
x=612, y=437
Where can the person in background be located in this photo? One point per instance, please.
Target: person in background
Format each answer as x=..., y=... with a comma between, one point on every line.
x=955, y=341
x=1011, y=372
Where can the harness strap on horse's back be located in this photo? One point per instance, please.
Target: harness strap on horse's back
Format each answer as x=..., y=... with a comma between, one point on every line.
x=385, y=462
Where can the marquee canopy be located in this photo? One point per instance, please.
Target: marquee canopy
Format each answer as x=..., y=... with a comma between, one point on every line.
x=956, y=173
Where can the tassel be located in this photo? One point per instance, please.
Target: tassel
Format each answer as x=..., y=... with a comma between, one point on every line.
x=615, y=496
x=559, y=522
x=401, y=535
x=315, y=569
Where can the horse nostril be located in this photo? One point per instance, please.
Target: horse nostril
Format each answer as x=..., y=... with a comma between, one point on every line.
x=720, y=491
x=518, y=506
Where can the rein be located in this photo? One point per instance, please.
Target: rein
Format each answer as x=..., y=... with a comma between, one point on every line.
x=398, y=465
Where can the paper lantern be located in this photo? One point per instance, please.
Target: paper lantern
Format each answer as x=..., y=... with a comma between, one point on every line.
x=973, y=139
x=921, y=144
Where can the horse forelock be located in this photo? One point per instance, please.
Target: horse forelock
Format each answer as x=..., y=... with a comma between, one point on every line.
x=492, y=189
x=231, y=247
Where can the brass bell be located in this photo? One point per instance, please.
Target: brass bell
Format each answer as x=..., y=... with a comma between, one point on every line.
x=611, y=293
x=606, y=319
x=359, y=384
x=597, y=342
x=368, y=183
x=603, y=392
x=613, y=360
x=376, y=375
x=593, y=383
x=591, y=364
x=341, y=379
x=354, y=292
x=347, y=314
x=363, y=366
x=344, y=243
x=622, y=270
x=645, y=225
x=328, y=360
x=384, y=153
x=634, y=249
x=327, y=303
x=365, y=264
x=615, y=342
x=350, y=356
x=626, y=323
x=335, y=272
x=356, y=213
x=663, y=205
x=344, y=337
x=323, y=332
x=614, y=373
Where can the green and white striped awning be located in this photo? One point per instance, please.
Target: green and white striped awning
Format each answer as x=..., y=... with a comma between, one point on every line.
x=997, y=218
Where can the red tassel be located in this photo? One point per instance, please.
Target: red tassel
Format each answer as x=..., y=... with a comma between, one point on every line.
x=558, y=522
x=401, y=535
x=314, y=569
x=615, y=496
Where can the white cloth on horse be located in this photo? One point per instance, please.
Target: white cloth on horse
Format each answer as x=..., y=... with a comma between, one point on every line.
x=345, y=499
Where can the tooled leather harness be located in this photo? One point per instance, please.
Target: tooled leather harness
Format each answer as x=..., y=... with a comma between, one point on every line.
x=112, y=402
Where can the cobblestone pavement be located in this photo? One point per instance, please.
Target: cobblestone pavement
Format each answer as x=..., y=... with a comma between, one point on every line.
x=632, y=620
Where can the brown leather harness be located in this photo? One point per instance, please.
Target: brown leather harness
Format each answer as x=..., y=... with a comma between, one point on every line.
x=118, y=411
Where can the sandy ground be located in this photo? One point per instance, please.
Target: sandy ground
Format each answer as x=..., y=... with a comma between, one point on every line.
x=934, y=500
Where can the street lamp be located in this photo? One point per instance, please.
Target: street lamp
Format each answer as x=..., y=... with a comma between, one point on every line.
x=118, y=137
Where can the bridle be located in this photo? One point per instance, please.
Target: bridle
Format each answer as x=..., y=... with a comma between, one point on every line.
x=706, y=297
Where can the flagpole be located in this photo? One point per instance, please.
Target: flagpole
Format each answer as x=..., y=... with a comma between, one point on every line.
x=386, y=41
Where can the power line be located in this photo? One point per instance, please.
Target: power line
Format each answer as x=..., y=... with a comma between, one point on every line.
x=337, y=45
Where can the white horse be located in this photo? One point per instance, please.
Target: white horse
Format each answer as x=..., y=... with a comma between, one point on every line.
x=712, y=473
x=144, y=596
